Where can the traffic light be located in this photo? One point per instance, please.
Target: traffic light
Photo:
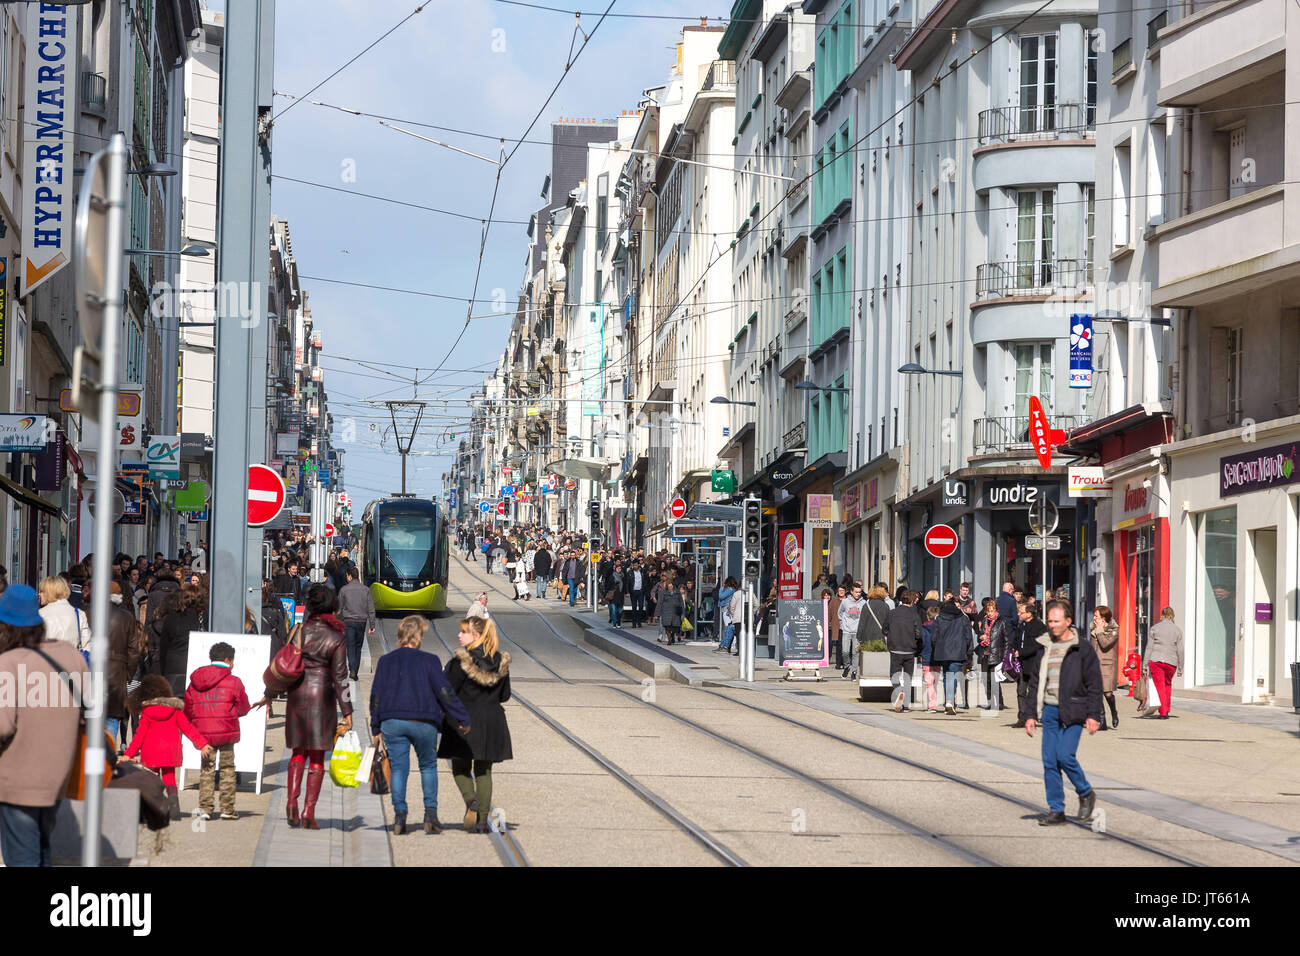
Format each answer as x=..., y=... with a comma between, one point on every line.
x=593, y=509
x=753, y=526
x=595, y=543
x=753, y=535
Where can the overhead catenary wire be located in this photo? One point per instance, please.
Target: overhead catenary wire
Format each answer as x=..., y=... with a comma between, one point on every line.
x=393, y=29
x=496, y=187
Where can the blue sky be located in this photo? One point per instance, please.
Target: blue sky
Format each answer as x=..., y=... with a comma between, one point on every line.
x=440, y=68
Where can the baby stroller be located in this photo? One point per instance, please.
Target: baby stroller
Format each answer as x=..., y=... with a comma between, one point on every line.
x=521, y=583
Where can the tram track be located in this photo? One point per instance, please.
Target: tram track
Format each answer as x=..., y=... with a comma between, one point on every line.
x=712, y=846
x=504, y=842
x=968, y=784
x=906, y=826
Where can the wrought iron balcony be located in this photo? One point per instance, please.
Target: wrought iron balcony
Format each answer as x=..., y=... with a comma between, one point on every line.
x=1011, y=124
x=94, y=93
x=994, y=435
x=796, y=437
x=996, y=280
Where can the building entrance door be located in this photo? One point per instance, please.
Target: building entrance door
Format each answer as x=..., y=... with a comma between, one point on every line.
x=1144, y=585
x=1264, y=612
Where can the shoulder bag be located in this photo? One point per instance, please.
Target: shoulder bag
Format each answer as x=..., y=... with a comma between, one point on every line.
x=285, y=669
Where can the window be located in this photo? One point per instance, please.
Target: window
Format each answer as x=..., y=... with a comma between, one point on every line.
x=1156, y=173
x=1090, y=225
x=1234, y=376
x=602, y=213
x=1121, y=195
x=1216, y=554
x=1034, y=239
x=1034, y=376
x=135, y=368
x=1093, y=40
x=1236, y=160
x=1038, y=83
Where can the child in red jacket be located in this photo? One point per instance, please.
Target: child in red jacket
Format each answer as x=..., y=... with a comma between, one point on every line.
x=214, y=702
x=158, y=739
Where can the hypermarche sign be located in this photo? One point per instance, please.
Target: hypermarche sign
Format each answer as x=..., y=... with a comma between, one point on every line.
x=50, y=108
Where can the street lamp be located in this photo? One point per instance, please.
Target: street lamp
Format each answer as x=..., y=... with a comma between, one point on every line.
x=723, y=400
x=911, y=368
x=193, y=251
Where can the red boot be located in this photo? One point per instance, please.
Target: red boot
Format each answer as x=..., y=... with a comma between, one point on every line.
x=295, y=785
x=315, y=777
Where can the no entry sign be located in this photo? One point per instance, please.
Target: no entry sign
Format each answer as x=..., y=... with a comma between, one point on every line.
x=501, y=507
x=265, y=495
x=941, y=541
x=678, y=508
x=329, y=530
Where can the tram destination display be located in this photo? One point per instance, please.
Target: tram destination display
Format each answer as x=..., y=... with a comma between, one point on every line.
x=803, y=632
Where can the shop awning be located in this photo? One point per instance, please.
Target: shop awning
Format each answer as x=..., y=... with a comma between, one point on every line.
x=588, y=469
x=28, y=497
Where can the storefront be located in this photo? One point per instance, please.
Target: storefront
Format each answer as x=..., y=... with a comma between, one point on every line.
x=1139, y=523
x=1235, y=560
x=990, y=514
x=866, y=501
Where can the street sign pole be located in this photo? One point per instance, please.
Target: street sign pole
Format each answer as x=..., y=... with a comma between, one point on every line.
x=111, y=295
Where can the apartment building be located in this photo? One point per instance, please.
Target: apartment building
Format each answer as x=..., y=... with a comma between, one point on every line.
x=1001, y=178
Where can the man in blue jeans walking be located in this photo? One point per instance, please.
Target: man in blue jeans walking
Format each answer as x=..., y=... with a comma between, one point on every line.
x=1066, y=690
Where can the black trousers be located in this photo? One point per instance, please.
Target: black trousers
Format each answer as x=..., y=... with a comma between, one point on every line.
x=638, y=607
x=355, y=633
x=1024, y=706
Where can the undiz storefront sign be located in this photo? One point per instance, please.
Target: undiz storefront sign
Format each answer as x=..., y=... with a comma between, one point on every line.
x=1015, y=494
x=1257, y=470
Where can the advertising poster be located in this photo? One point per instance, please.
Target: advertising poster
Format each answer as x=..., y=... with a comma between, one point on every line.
x=803, y=632
x=789, y=574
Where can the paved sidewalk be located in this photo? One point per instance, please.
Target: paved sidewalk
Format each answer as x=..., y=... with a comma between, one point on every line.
x=352, y=829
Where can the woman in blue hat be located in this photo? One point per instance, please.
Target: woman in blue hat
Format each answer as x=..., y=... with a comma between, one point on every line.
x=38, y=737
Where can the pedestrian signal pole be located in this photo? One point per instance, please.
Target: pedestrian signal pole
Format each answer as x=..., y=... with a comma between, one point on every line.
x=753, y=539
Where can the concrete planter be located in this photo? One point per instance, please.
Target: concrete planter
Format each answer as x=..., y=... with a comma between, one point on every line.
x=873, y=664
x=873, y=675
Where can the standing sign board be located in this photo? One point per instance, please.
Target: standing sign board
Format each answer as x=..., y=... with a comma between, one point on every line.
x=789, y=571
x=252, y=654
x=802, y=629
x=941, y=542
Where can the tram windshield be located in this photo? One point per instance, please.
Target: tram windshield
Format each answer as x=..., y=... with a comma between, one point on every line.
x=406, y=544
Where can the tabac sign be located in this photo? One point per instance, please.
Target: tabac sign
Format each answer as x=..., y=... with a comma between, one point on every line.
x=50, y=108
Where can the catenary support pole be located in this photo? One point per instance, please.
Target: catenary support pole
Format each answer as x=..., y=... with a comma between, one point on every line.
x=243, y=262
x=107, y=468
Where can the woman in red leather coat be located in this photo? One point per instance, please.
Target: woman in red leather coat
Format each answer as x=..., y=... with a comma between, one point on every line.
x=314, y=702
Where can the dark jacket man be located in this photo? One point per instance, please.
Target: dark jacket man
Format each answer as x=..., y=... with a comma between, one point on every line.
x=903, y=630
x=1079, y=690
x=542, y=562
x=950, y=636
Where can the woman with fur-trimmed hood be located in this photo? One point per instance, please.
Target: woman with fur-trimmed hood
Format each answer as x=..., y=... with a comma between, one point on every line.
x=158, y=739
x=479, y=672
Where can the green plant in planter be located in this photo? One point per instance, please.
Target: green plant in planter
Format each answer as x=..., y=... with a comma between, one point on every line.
x=875, y=647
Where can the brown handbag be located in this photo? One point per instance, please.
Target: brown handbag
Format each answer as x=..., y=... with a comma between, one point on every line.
x=285, y=669
x=381, y=771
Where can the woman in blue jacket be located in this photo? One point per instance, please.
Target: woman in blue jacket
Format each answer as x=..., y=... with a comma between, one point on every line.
x=408, y=700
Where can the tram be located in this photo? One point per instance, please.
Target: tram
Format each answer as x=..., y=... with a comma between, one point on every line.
x=404, y=551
